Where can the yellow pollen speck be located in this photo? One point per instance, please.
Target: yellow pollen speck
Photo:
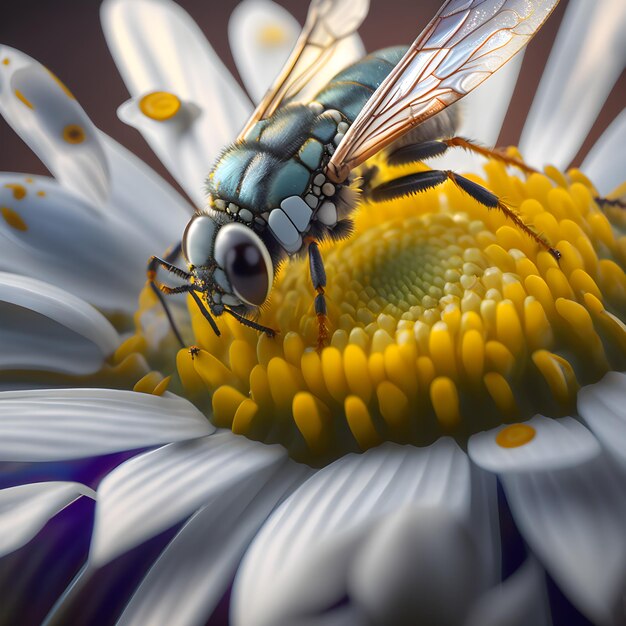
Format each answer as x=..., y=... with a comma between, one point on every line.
x=74, y=134
x=22, y=98
x=159, y=105
x=272, y=35
x=515, y=435
x=19, y=191
x=444, y=320
x=41, y=194
x=6, y=61
x=13, y=219
x=62, y=85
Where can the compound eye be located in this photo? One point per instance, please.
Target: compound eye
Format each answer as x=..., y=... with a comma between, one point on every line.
x=246, y=261
x=198, y=240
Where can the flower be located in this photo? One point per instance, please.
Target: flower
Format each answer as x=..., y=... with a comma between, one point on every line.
x=449, y=330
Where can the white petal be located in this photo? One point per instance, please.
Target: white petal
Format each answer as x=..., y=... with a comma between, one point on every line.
x=298, y=564
x=151, y=492
x=57, y=424
x=45, y=328
x=602, y=406
x=557, y=443
x=573, y=520
x=25, y=509
x=42, y=111
x=149, y=207
x=519, y=601
x=158, y=47
x=605, y=162
x=60, y=239
x=132, y=192
x=193, y=572
x=586, y=60
x=418, y=566
x=261, y=34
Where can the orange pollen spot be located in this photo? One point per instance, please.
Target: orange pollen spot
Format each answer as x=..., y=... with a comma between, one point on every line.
x=515, y=435
x=61, y=84
x=73, y=133
x=30, y=181
x=41, y=193
x=159, y=105
x=19, y=191
x=22, y=98
x=6, y=61
x=272, y=35
x=13, y=219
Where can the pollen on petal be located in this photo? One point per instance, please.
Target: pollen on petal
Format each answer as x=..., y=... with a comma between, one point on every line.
x=13, y=219
x=159, y=105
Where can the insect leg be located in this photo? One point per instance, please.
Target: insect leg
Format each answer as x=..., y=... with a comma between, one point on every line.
x=466, y=144
x=204, y=312
x=318, y=278
x=415, y=183
x=160, y=289
x=246, y=322
x=414, y=153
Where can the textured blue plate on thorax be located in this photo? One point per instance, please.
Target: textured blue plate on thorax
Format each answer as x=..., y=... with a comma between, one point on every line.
x=280, y=155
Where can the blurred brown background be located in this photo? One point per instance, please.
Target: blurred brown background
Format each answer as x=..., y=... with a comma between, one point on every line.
x=65, y=35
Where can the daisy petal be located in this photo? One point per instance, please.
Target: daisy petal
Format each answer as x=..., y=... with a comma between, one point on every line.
x=198, y=107
x=586, y=60
x=298, y=564
x=573, y=520
x=261, y=34
x=153, y=491
x=24, y=510
x=147, y=206
x=57, y=424
x=52, y=234
x=604, y=164
x=520, y=600
x=49, y=119
x=602, y=407
x=193, y=572
x=540, y=443
x=417, y=567
x=48, y=329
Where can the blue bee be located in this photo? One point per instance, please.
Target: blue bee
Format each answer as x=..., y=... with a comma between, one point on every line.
x=288, y=181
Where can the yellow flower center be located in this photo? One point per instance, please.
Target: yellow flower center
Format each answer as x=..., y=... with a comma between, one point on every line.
x=444, y=319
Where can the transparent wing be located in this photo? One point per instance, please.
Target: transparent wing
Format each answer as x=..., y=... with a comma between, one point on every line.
x=320, y=51
x=464, y=44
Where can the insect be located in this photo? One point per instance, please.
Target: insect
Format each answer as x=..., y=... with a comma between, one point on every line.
x=287, y=182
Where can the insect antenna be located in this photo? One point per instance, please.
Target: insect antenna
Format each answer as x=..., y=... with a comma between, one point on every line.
x=246, y=322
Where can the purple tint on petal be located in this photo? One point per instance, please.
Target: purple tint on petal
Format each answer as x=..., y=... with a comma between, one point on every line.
x=88, y=471
x=33, y=577
x=99, y=599
x=220, y=614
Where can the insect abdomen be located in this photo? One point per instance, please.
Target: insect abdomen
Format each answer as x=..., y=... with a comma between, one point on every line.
x=349, y=90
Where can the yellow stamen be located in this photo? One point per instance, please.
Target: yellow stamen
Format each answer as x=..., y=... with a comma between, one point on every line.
x=443, y=318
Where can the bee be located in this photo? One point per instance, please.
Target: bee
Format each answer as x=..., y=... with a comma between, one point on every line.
x=288, y=181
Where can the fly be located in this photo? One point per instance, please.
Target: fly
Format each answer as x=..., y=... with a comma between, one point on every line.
x=288, y=182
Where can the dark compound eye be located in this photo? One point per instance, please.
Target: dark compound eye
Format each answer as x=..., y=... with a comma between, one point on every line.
x=246, y=261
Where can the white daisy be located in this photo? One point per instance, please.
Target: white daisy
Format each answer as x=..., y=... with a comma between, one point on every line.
x=365, y=489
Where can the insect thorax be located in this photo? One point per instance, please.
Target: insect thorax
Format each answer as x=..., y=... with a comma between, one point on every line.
x=273, y=178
